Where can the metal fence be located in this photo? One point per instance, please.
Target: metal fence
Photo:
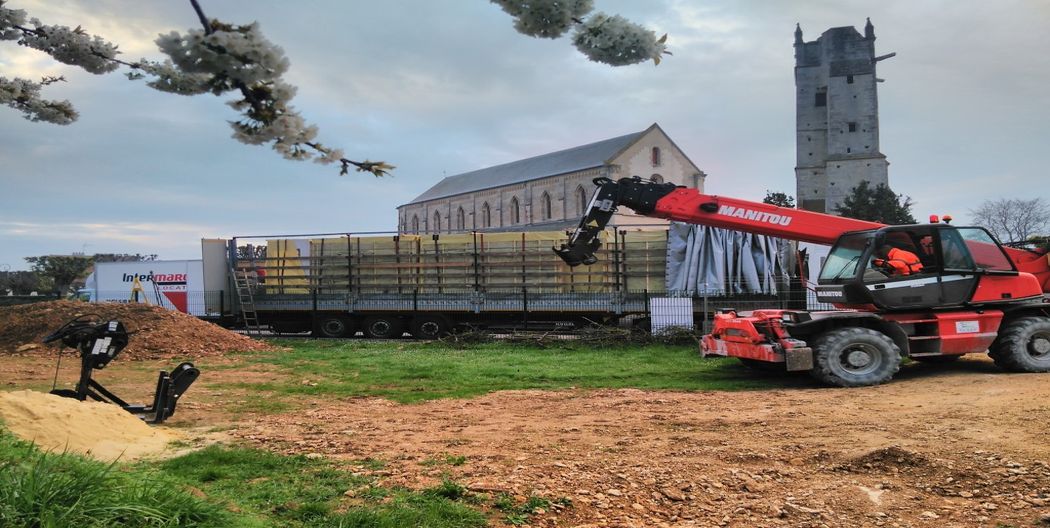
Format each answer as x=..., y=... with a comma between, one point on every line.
x=199, y=303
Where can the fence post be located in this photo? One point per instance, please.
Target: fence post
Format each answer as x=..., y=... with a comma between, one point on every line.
x=313, y=313
x=703, y=328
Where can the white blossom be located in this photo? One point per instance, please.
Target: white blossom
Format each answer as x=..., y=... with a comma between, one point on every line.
x=170, y=79
x=72, y=46
x=24, y=95
x=9, y=18
x=330, y=156
x=240, y=54
x=617, y=41
x=545, y=18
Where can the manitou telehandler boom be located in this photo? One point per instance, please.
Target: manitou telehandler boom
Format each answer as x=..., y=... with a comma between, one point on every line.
x=967, y=294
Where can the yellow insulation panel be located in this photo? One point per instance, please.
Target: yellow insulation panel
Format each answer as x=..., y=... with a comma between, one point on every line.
x=495, y=261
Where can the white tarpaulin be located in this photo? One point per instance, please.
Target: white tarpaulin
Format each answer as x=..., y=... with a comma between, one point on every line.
x=714, y=261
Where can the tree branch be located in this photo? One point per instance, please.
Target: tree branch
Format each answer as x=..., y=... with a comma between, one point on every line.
x=200, y=15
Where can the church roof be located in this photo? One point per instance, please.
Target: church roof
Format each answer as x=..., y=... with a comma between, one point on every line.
x=562, y=162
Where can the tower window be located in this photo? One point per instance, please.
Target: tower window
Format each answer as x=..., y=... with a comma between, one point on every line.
x=847, y=150
x=852, y=127
x=822, y=99
x=849, y=79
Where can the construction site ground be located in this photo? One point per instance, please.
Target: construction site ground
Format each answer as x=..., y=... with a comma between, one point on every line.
x=942, y=445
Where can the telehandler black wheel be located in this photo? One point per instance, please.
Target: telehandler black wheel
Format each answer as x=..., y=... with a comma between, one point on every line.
x=334, y=326
x=855, y=357
x=1023, y=345
x=383, y=327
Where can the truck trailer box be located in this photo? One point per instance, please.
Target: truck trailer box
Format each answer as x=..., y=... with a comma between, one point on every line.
x=173, y=284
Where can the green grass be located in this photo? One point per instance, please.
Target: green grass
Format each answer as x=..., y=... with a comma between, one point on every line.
x=212, y=488
x=39, y=490
x=409, y=372
x=275, y=490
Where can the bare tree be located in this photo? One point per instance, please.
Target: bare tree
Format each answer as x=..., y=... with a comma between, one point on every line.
x=1014, y=219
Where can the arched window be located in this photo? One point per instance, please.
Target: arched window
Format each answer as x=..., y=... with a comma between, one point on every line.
x=514, y=213
x=415, y=224
x=545, y=206
x=436, y=228
x=656, y=156
x=581, y=201
x=486, y=215
x=461, y=219
x=656, y=178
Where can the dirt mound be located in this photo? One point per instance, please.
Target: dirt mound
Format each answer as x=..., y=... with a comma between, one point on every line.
x=156, y=333
x=100, y=430
x=888, y=457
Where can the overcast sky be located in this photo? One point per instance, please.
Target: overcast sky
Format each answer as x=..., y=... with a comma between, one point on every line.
x=440, y=87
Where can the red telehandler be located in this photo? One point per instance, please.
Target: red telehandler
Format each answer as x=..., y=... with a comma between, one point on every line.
x=970, y=294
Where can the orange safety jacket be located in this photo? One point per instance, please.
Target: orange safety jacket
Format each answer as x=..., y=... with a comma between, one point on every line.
x=902, y=262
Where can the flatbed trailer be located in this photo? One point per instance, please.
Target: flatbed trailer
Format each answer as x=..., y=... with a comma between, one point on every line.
x=334, y=285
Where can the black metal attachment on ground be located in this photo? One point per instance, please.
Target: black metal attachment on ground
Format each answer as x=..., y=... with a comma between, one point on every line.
x=98, y=343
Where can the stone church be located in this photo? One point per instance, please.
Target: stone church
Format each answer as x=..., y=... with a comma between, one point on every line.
x=548, y=192
x=837, y=116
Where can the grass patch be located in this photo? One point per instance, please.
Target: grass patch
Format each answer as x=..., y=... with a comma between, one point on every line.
x=212, y=488
x=297, y=491
x=58, y=490
x=449, y=460
x=410, y=372
x=519, y=514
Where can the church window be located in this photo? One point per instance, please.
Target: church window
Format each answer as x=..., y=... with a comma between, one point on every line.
x=461, y=219
x=656, y=178
x=822, y=99
x=486, y=215
x=655, y=156
x=545, y=205
x=515, y=213
x=852, y=127
x=581, y=201
x=849, y=79
x=437, y=223
x=415, y=224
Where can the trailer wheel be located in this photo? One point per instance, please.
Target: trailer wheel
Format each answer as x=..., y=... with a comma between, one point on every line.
x=1024, y=346
x=855, y=357
x=429, y=327
x=334, y=326
x=383, y=327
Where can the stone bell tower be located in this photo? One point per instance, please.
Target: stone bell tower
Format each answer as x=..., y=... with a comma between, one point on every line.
x=837, y=116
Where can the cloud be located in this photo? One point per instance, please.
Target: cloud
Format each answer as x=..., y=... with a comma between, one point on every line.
x=140, y=233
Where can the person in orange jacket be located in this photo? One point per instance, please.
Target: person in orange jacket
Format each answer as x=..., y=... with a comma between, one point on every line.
x=897, y=262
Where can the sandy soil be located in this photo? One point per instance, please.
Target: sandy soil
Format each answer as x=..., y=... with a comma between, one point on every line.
x=945, y=445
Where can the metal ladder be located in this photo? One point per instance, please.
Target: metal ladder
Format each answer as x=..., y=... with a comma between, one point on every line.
x=243, y=281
